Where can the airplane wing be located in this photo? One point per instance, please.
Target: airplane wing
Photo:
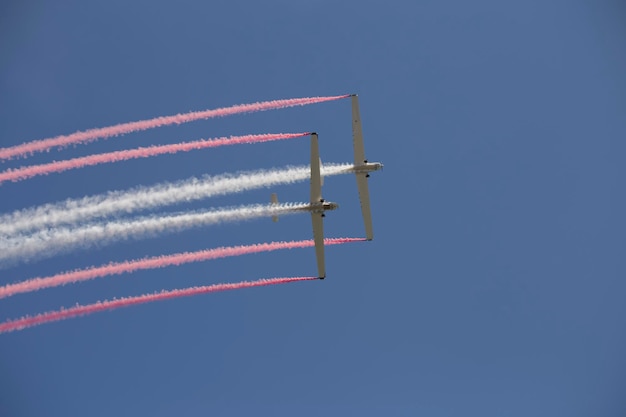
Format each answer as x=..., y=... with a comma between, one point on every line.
x=316, y=176
x=364, y=197
x=357, y=133
x=318, y=237
x=359, y=159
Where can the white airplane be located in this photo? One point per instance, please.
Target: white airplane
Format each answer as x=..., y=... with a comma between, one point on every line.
x=317, y=207
x=362, y=168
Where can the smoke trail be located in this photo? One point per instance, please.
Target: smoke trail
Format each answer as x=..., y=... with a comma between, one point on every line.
x=120, y=129
x=26, y=172
x=118, y=268
x=46, y=243
x=81, y=310
x=160, y=195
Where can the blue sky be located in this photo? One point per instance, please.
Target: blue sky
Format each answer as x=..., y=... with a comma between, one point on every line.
x=495, y=282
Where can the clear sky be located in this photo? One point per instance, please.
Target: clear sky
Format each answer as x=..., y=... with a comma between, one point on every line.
x=495, y=283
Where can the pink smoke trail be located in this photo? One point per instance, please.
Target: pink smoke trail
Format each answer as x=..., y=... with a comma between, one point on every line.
x=23, y=173
x=123, y=128
x=64, y=278
x=81, y=310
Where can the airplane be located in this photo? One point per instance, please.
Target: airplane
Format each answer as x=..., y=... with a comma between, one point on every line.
x=362, y=168
x=317, y=207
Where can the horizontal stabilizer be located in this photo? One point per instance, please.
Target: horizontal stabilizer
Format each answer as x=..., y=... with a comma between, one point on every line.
x=274, y=201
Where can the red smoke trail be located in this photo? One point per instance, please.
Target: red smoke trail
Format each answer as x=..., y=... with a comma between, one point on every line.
x=157, y=262
x=120, y=129
x=105, y=158
x=78, y=310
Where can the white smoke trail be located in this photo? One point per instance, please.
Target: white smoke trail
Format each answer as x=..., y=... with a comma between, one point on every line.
x=125, y=202
x=47, y=243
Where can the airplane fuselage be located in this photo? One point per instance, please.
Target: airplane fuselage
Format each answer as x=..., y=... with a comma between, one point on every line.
x=367, y=167
x=320, y=207
x=324, y=206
